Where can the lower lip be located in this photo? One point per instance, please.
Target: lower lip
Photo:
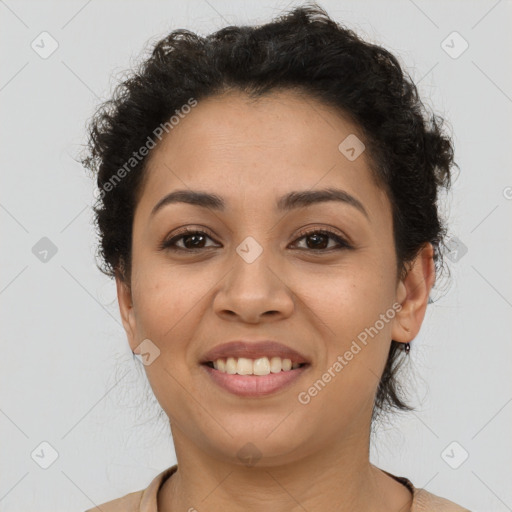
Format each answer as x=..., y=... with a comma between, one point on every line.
x=255, y=385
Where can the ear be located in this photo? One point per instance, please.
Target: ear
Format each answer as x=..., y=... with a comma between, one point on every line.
x=412, y=294
x=124, y=298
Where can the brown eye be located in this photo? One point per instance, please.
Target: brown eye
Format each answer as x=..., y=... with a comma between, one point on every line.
x=192, y=240
x=318, y=240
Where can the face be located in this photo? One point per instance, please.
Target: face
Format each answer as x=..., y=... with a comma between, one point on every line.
x=314, y=277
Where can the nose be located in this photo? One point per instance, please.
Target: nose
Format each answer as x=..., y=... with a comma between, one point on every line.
x=254, y=291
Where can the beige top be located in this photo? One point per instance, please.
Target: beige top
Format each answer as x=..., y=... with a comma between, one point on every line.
x=146, y=499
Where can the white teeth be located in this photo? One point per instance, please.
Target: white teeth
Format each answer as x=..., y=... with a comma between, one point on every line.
x=244, y=366
x=275, y=364
x=260, y=366
x=231, y=365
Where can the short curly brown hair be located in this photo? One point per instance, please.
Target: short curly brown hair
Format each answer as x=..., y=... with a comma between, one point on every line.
x=302, y=50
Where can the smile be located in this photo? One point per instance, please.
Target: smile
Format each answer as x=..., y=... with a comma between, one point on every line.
x=254, y=378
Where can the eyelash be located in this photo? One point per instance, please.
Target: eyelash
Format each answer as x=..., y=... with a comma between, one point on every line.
x=170, y=244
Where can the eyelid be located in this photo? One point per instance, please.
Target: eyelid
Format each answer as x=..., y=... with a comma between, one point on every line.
x=165, y=244
x=342, y=240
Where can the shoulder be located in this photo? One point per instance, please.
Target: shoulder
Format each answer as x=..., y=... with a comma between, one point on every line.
x=128, y=503
x=144, y=500
x=424, y=501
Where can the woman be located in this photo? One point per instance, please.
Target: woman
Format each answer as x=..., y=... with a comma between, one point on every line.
x=267, y=207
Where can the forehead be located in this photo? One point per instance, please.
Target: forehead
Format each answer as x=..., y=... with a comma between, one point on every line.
x=232, y=145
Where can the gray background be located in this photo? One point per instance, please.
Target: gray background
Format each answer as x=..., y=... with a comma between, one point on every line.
x=67, y=376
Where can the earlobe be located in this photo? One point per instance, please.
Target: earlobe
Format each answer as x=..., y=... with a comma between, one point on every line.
x=124, y=298
x=412, y=294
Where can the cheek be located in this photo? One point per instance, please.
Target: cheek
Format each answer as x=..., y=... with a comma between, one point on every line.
x=167, y=301
x=354, y=297
x=357, y=308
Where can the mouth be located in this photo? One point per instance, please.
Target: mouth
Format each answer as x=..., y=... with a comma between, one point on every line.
x=254, y=368
x=254, y=378
x=260, y=367
x=264, y=353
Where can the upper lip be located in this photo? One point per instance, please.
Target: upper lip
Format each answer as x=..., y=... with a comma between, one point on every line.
x=253, y=350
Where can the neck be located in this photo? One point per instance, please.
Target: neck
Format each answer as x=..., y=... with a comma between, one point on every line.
x=338, y=478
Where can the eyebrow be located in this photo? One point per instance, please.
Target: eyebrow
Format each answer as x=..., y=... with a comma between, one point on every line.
x=288, y=202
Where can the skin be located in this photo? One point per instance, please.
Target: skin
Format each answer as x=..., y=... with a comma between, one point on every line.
x=313, y=456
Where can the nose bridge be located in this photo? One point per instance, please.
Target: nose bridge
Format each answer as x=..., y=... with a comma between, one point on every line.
x=254, y=284
x=252, y=265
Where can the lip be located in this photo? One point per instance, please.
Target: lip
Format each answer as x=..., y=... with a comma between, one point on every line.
x=254, y=350
x=255, y=385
